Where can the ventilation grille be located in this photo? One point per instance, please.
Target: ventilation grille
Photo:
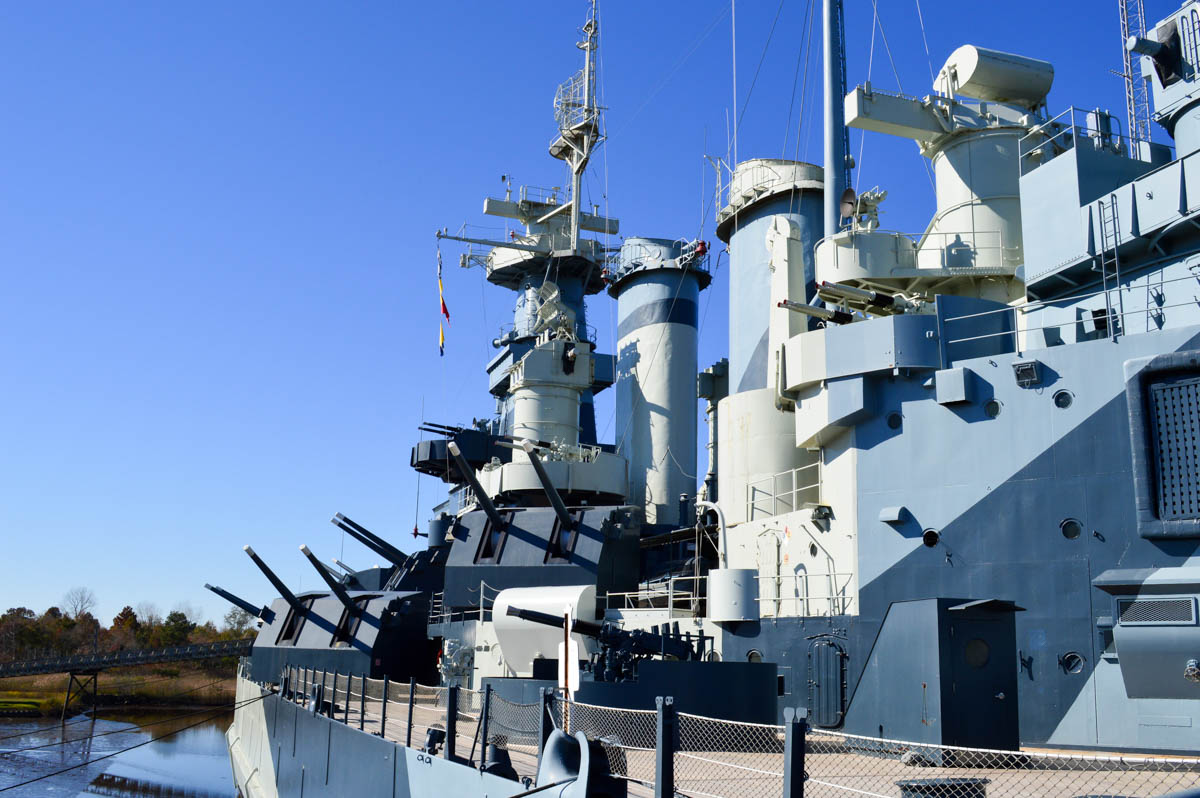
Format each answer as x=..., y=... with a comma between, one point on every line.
x=1156, y=611
x=1176, y=407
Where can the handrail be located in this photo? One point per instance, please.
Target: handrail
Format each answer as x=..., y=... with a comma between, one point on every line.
x=756, y=495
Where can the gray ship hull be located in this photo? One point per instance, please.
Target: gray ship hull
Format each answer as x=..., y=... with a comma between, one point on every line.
x=278, y=749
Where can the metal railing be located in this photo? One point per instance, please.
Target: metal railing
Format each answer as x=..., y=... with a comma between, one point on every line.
x=1110, y=324
x=784, y=492
x=120, y=659
x=440, y=612
x=451, y=721
x=678, y=753
x=541, y=194
x=1065, y=132
x=680, y=596
x=792, y=594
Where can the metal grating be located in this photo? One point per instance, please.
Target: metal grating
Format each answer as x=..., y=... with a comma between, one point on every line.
x=1157, y=611
x=1176, y=429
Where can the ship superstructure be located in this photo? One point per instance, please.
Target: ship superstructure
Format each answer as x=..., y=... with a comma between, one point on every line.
x=953, y=490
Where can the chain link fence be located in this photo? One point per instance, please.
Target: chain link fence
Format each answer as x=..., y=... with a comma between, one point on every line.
x=707, y=758
x=845, y=764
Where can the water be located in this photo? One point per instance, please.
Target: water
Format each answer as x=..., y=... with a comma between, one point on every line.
x=193, y=762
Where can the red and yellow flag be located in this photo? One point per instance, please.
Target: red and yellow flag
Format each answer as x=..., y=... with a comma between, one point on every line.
x=445, y=310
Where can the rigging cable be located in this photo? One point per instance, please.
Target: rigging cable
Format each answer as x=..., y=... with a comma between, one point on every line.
x=86, y=718
x=754, y=80
x=862, y=137
x=124, y=729
x=925, y=41
x=122, y=751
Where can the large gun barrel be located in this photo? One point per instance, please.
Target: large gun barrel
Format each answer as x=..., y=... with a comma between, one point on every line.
x=468, y=474
x=334, y=584
x=835, y=316
x=287, y=595
x=546, y=619
x=560, y=509
x=369, y=539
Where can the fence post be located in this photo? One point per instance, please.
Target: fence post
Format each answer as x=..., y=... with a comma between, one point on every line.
x=451, y=721
x=795, y=726
x=346, y=709
x=383, y=713
x=321, y=704
x=666, y=737
x=333, y=698
x=412, y=694
x=483, y=724
x=547, y=725
x=362, y=700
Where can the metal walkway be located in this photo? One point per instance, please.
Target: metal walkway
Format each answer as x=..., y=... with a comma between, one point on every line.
x=90, y=663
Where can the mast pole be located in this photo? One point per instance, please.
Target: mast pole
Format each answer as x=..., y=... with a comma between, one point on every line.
x=835, y=124
x=590, y=117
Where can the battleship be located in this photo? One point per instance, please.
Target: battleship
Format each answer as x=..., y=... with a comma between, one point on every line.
x=952, y=494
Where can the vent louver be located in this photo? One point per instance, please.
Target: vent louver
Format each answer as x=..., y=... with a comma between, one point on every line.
x=1144, y=611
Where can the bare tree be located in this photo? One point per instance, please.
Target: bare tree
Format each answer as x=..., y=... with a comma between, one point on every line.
x=78, y=601
x=147, y=613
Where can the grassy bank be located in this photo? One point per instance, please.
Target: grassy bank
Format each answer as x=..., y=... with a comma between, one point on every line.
x=141, y=686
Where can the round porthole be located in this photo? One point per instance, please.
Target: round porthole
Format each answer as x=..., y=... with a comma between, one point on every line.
x=894, y=420
x=754, y=655
x=930, y=537
x=977, y=652
x=1072, y=662
x=992, y=408
x=1063, y=399
x=1071, y=528
x=713, y=656
x=812, y=549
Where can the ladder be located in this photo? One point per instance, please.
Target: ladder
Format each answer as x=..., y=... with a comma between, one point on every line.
x=1110, y=263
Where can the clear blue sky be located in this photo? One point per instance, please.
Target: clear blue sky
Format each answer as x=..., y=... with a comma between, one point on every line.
x=219, y=317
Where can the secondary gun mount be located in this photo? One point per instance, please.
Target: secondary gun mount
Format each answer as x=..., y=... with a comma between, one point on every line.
x=622, y=649
x=258, y=612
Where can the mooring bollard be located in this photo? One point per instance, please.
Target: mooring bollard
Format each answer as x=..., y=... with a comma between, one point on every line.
x=666, y=740
x=795, y=729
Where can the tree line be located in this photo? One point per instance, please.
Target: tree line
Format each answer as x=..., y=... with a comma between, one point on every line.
x=73, y=629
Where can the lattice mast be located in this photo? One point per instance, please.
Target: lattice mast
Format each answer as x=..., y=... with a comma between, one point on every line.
x=1137, y=93
x=578, y=118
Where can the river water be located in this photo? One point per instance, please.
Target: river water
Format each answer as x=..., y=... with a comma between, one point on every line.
x=192, y=762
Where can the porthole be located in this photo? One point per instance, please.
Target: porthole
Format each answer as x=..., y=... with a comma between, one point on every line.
x=754, y=655
x=1072, y=662
x=977, y=653
x=1071, y=528
x=812, y=549
x=894, y=420
x=1063, y=399
x=713, y=656
x=992, y=408
x=930, y=537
